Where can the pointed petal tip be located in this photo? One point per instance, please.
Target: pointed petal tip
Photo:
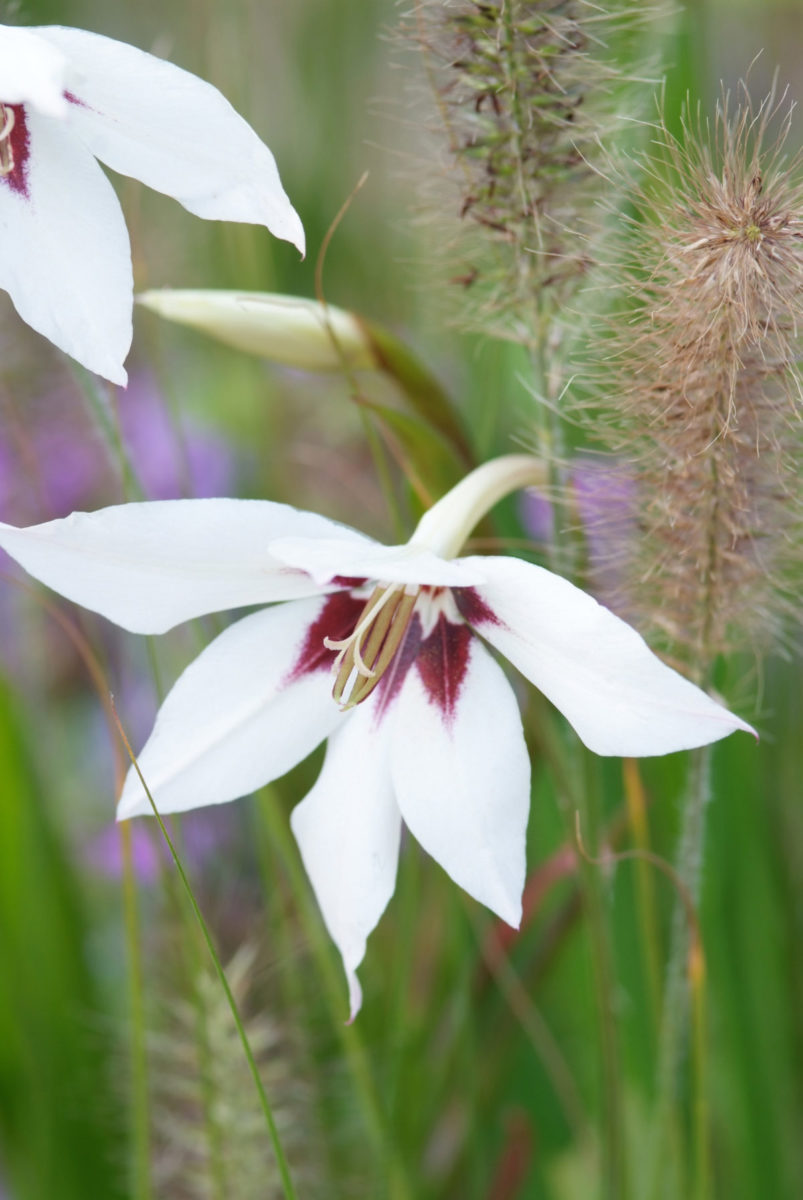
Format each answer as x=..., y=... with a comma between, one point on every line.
x=127, y=810
x=296, y=235
x=118, y=376
x=133, y=801
x=744, y=727
x=511, y=912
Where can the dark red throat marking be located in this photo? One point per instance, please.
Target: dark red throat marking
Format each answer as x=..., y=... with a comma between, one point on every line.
x=19, y=147
x=442, y=663
x=336, y=621
x=441, y=660
x=473, y=608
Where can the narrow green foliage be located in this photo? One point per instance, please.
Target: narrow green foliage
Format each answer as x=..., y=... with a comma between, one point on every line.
x=60, y=1128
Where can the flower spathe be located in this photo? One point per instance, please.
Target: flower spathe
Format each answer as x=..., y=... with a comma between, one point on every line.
x=69, y=98
x=426, y=730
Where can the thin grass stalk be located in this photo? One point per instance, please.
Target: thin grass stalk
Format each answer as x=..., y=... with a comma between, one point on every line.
x=580, y=806
x=212, y=1129
x=291, y=981
x=537, y=1032
x=702, y=1144
x=675, y=1014
x=214, y=1140
x=281, y=1161
x=108, y=421
x=647, y=908
x=615, y=1184
x=371, y=435
x=137, y=1046
x=109, y=426
x=399, y=1186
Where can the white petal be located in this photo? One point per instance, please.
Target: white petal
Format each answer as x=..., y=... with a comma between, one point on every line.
x=325, y=558
x=149, y=566
x=620, y=698
x=31, y=71
x=64, y=253
x=348, y=830
x=236, y=718
x=150, y=119
x=461, y=774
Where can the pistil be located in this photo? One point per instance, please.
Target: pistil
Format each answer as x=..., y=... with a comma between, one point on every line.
x=372, y=646
x=6, y=149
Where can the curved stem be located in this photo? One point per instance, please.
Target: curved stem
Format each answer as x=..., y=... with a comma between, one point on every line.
x=615, y=1178
x=675, y=1016
x=140, y=1107
x=399, y=1187
x=281, y=1161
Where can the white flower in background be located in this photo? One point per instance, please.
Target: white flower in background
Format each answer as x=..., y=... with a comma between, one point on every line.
x=423, y=728
x=67, y=98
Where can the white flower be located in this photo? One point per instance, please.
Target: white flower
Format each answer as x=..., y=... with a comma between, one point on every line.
x=424, y=727
x=67, y=98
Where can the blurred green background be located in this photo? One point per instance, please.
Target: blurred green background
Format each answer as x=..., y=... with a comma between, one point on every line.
x=468, y=1074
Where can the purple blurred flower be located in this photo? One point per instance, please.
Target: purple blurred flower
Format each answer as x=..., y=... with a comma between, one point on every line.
x=537, y=515
x=606, y=502
x=104, y=853
x=70, y=464
x=6, y=482
x=171, y=460
x=603, y=499
x=203, y=833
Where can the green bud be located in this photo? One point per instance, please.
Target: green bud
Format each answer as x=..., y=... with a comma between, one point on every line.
x=290, y=330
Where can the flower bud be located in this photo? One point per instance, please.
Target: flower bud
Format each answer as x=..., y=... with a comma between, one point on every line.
x=290, y=330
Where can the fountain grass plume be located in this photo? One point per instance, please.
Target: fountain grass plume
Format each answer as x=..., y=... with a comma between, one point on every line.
x=527, y=92
x=209, y=1132
x=700, y=389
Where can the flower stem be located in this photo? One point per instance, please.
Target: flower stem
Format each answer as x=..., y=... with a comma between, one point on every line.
x=702, y=1163
x=647, y=910
x=399, y=1187
x=615, y=1179
x=281, y=1161
x=106, y=420
x=140, y=1110
x=676, y=993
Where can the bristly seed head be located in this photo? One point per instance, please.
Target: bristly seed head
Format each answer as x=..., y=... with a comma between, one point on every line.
x=702, y=385
x=525, y=92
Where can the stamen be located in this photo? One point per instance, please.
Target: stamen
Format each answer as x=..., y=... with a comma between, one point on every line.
x=402, y=615
x=6, y=148
x=370, y=649
x=377, y=601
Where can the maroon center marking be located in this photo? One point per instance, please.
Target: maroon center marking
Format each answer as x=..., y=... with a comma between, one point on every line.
x=473, y=608
x=390, y=684
x=18, y=147
x=442, y=664
x=336, y=620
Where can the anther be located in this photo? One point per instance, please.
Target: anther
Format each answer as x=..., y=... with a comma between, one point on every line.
x=371, y=647
x=6, y=148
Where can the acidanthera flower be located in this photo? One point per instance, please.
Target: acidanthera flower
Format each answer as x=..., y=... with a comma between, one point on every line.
x=422, y=724
x=67, y=98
